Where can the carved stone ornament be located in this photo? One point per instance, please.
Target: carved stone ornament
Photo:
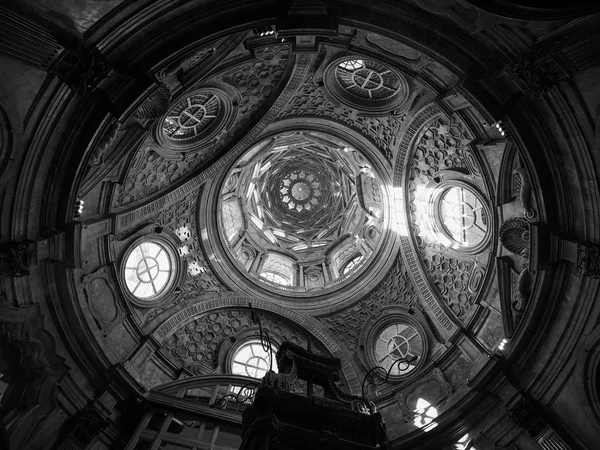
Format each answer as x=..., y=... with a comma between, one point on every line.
x=525, y=195
x=514, y=235
x=105, y=143
x=168, y=75
x=524, y=283
x=197, y=344
x=155, y=105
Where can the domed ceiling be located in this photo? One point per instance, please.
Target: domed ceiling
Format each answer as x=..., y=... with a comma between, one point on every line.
x=301, y=211
x=364, y=186
x=330, y=187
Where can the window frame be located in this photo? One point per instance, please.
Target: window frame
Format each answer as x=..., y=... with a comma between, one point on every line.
x=249, y=340
x=175, y=278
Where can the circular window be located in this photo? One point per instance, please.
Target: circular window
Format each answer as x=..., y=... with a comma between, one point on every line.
x=463, y=216
x=366, y=84
x=398, y=341
x=195, y=118
x=148, y=270
x=251, y=360
x=367, y=79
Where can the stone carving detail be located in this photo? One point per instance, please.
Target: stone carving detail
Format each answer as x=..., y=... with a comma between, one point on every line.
x=197, y=344
x=106, y=142
x=535, y=77
x=443, y=149
x=15, y=258
x=168, y=75
x=396, y=289
x=407, y=54
x=310, y=100
x=523, y=291
x=155, y=105
x=514, y=235
x=102, y=300
x=255, y=81
x=442, y=146
x=524, y=187
x=292, y=84
x=451, y=277
x=181, y=218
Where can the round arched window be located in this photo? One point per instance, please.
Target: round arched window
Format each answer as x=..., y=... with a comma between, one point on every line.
x=148, y=269
x=370, y=85
x=251, y=360
x=395, y=342
x=463, y=216
x=367, y=79
x=194, y=118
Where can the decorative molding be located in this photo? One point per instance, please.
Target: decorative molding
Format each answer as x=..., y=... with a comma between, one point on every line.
x=215, y=301
x=298, y=74
x=102, y=299
x=418, y=121
x=310, y=100
x=396, y=289
x=514, y=235
x=30, y=41
x=156, y=105
x=200, y=343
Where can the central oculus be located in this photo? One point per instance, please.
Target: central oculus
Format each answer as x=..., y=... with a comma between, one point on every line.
x=301, y=191
x=301, y=211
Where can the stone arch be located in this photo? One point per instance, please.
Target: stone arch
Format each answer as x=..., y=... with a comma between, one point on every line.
x=210, y=302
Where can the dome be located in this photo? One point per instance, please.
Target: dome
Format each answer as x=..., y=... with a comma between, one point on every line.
x=410, y=187
x=302, y=212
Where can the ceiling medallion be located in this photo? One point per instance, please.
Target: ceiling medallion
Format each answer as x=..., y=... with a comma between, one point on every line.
x=367, y=84
x=300, y=191
x=302, y=212
x=194, y=118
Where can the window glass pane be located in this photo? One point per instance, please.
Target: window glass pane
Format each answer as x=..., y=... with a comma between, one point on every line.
x=398, y=341
x=252, y=360
x=148, y=269
x=463, y=216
